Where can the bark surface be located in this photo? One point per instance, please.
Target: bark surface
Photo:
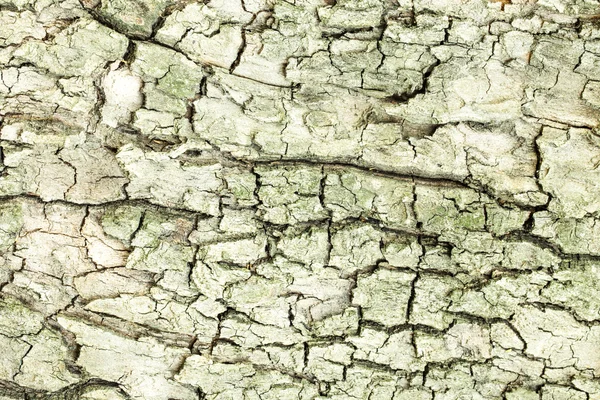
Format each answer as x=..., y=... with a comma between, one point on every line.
x=313, y=199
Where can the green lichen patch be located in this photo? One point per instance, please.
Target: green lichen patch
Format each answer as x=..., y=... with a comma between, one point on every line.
x=11, y=222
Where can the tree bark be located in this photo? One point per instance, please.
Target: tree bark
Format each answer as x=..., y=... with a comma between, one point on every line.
x=263, y=199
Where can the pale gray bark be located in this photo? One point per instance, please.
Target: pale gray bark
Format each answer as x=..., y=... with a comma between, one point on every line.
x=262, y=199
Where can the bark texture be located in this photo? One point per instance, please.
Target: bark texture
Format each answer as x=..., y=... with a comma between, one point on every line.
x=309, y=199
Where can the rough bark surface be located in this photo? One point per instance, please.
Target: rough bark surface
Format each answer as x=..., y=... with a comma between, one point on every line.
x=313, y=199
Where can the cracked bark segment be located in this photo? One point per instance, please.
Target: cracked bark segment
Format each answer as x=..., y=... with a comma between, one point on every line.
x=452, y=382
x=363, y=382
x=586, y=384
x=357, y=194
x=57, y=250
x=177, y=24
x=415, y=148
x=431, y=301
x=573, y=236
x=190, y=192
x=88, y=389
x=170, y=80
x=290, y=360
x=555, y=391
x=319, y=127
x=121, y=221
x=261, y=299
x=112, y=283
x=462, y=341
x=258, y=112
x=403, y=251
x=16, y=26
x=449, y=210
x=572, y=286
x=240, y=252
x=569, y=179
x=44, y=366
x=40, y=166
x=235, y=224
x=569, y=340
x=550, y=104
x=395, y=350
x=308, y=246
x=157, y=312
x=103, y=393
x=98, y=176
x=160, y=258
x=49, y=293
x=31, y=95
x=290, y=195
x=591, y=93
x=83, y=48
x=381, y=143
x=248, y=334
x=429, y=30
x=349, y=15
x=321, y=299
x=161, y=227
x=17, y=319
x=133, y=18
x=344, y=324
x=527, y=256
x=341, y=66
x=355, y=249
x=502, y=220
x=104, y=251
x=384, y=296
x=498, y=298
x=155, y=361
x=213, y=278
x=483, y=91
x=16, y=350
x=509, y=166
x=219, y=49
x=211, y=33
x=242, y=380
x=327, y=364
x=403, y=69
x=504, y=335
x=516, y=362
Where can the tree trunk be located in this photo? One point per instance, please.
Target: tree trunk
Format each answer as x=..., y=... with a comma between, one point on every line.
x=262, y=199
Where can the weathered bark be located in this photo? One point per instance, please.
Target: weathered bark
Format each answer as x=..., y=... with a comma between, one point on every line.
x=261, y=199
